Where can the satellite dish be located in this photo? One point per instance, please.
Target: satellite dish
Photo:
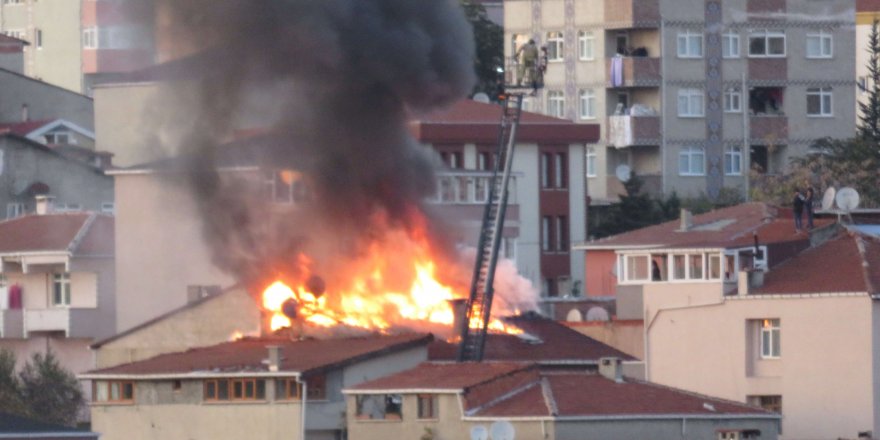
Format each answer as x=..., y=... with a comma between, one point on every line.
x=481, y=97
x=828, y=199
x=847, y=199
x=623, y=172
x=479, y=432
x=502, y=430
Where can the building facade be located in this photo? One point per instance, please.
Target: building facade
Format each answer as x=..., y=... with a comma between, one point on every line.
x=692, y=94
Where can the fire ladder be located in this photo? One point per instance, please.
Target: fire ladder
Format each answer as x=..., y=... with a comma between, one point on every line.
x=479, y=304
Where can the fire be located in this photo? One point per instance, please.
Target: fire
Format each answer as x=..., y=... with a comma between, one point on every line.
x=372, y=296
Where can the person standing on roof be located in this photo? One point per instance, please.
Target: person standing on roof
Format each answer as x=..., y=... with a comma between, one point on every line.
x=808, y=205
x=798, y=209
x=527, y=55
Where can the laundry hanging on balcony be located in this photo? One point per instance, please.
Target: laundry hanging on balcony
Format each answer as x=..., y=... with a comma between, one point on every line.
x=617, y=71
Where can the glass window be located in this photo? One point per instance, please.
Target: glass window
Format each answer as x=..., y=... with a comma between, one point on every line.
x=559, y=171
x=692, y=162
x=730, y=45
x=679, y=267
x=819, y=102
x=695, y=266
x=555, y=46
x=113, y=391
x=591, y=162
x=586, y=44
x=287, y=389
x=819, y=45
x=428, y=408
x=546, y=243
x=637, y=268
x=690, y=44
x=556, y=103
x=587, y=104
x=690, y=103
x=715, y=267
x=733, y=159
x=61, y=289
x=770, y=339
x=767, y=44
x=732, y=100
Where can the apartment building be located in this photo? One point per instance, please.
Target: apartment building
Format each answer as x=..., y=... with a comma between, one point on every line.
x=867, y=11
x=692, y=94
x=75, y=44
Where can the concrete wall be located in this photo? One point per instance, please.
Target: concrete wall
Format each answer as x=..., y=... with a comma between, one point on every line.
x=230, y=313
x=825, y=365
x=44, y=101
x=685, y=429
x=69, y=181
x=626, y=336
x=159, y=248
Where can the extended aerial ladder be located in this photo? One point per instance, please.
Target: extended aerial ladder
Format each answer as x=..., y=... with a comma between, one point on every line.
x=479, y=304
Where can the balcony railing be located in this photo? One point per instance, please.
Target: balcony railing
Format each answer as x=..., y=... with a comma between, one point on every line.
x=629, y=14
x=633, y=72
x=768, y=129
x=468, y=188
x=627, y=131
x=47, y=320
x=11, y=324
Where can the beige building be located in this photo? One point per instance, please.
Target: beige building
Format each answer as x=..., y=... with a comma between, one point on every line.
x=251, y=388
x=452, y=401
x=754, y=312
x=675, y=84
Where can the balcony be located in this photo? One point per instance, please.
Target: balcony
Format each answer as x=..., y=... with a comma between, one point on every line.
x=46, y=320
x=627, y=131
x=632, y=14
x=468, y=188
x=74, y=322
x=11, y=324
x=635, y=72
x=768, y=129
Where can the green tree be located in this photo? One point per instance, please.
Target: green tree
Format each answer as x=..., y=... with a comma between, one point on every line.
x=869, y=109
x=489, y=43
x=51, y=392
x=11, y=401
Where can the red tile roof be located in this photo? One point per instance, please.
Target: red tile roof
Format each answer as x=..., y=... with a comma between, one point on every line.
x=518, y=390
x=247, y=355
x=867, y=5
x=22, y=128
x=547, y=341
x=58, y=232
x=853, y=260
x=445, y=376
x=727, y=228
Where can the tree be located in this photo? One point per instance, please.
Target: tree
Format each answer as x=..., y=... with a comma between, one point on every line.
x=489, y=43
x=869, y=110
x=10, y=387
x=51, y=392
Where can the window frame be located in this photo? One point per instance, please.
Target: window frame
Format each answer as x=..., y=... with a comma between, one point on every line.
x=822, y=36
x=556, y=103
x=623, y=270
x=767, y=35
x=772, y=328
x=587, y=104
x=733, y=95
x=592, y=162
x=555, y=46
x=689, y=94
x=433, y=412
x=689, y=38
x=586, y=45
x=821, y=93
x=732, y=152
x=61, y=290
x=731, y=45
x=691, y=153
x=108, y=398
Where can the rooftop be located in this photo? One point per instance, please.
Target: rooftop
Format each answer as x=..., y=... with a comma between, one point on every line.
x=247, y=356
x=546, y=341
x=731, y=227
x=12, y=426
x=77, y=233
x=853, y=258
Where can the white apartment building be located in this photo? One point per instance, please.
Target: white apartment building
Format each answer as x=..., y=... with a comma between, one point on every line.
x=675, y=84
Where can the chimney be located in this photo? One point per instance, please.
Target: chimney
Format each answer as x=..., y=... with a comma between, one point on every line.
x=458, y=312
x=687, y=220
x=748, y=280
x=25, y=113
x=611, y=368
x=274, y=357
x=45, y=204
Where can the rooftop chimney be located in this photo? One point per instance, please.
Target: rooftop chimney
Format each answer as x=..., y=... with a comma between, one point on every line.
x=45, y=204
x=611, y=368
x=748, y=280
x=458, y=312
x=274, y=357
x=687, y=220
x=25, y=113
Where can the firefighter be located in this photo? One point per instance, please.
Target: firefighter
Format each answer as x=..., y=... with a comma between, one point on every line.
x=527, y=55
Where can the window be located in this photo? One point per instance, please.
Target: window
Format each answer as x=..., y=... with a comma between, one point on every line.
x=379, y=407
x=176, y=385
x=546, y=171
x=819, y=102
x=730, y=45
x=15, y=33
x=428, y=406
x=38, y=38
x=691, y=162
x=695, y=266
x=316, y=388
x=452, y=159
x=555, y=46
x=14, y=210
x=546, y=227
x=61, y=289
x=770, y=343
x=58, y=138
x=714, y=267
x=679, y=269
x=559, y=170
x=733, y=159
x=819, y=45
x=286, y=187
x=769, y=44
x=636, y=268
x=732, y=100
x=508, y=248
x=690, y=44
x=486, y=161
x=588, y=104
x=234, y=389
x=690, y=103
x=90, y=38
x=586, y=45
x=770, y=403
x=591, y=162
x=113, y=391
x=562, y=234
x=108, y=208
x=287, y=389
x=556, y=103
